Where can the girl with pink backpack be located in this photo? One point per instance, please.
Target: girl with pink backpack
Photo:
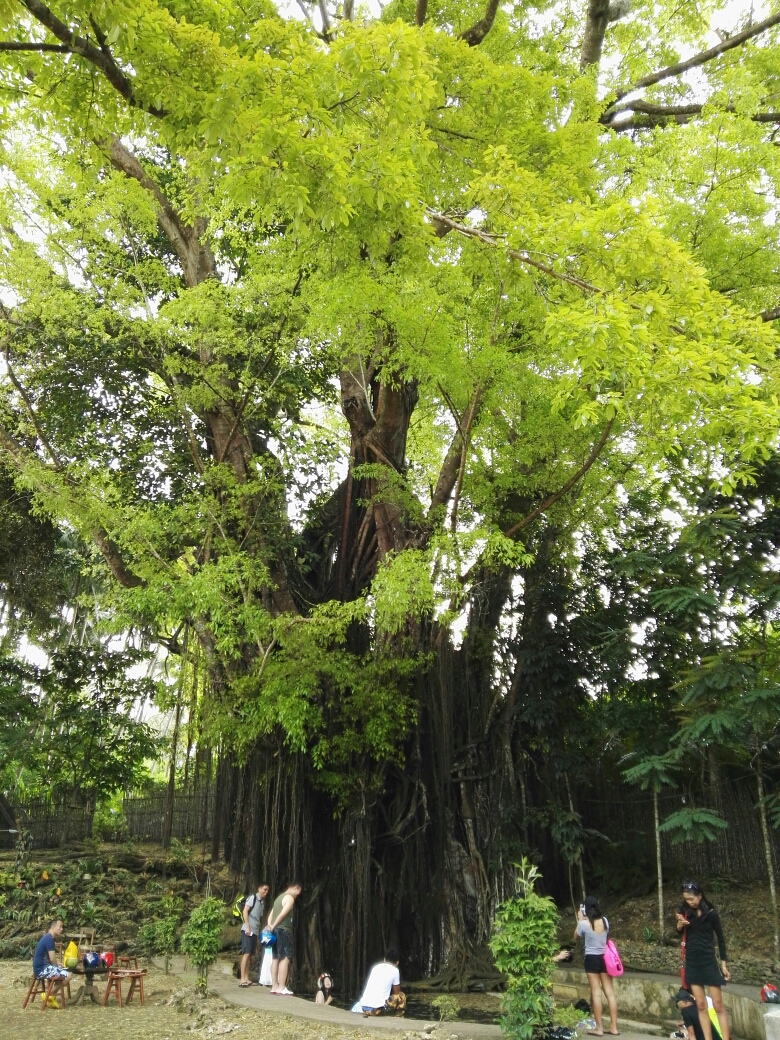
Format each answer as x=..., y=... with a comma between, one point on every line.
x=602, y=962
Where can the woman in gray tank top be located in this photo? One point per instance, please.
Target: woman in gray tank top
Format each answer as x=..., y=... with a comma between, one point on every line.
x=593, y=926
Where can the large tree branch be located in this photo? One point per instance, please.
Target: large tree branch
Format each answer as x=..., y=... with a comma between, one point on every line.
x=770, y=315
x=573, y=479
x=100, y=536
x=30, y=410
x=113, y=558
x=644, y=114
x=197, y=260
x=56, y=48
x=440, y=220
x=420, y=12
x=600, y=14
x=101, y=58
x=595, y=29
x=477, y=32
x=452, y=466
x=702, y=57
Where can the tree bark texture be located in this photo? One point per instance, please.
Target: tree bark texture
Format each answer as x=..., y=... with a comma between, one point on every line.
x=770, y=866
x=658, y=865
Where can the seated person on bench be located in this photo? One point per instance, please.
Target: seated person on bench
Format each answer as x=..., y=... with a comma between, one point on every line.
x=44, y=959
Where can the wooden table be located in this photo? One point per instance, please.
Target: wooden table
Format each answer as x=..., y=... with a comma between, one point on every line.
x=87, y=991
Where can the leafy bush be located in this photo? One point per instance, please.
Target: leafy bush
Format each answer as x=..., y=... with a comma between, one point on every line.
x=159, y=936
x=108, y=822
x=523, y=944
x=567, y=1015
x=92, y=867
x=201, y=938
x=447, y=1006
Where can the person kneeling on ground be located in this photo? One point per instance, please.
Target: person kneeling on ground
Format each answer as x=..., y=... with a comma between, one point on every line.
x=44, y=958
x=324, y=989
x=690, y=1016
x=382, y=991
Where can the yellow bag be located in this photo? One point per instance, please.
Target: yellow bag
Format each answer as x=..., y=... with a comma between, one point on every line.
x=70, y=955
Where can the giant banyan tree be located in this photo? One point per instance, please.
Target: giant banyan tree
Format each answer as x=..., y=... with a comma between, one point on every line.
x=337, y=336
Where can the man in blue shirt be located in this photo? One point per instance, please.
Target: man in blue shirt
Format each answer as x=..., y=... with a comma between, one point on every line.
x=44, y=959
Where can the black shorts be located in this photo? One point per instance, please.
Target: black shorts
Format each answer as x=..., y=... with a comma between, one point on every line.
x=248, y=943
x=594, y=964
x=283, y=947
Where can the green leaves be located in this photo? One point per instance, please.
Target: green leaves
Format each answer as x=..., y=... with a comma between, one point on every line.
x=71, y=726
x=654, y=772
x=200, y=940
x=402, y=591
x=693, y=825
x=523, y=943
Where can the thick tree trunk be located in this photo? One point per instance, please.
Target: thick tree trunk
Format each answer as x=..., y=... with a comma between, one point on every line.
x=658, y=865
x=171, y=791
x=770, y=867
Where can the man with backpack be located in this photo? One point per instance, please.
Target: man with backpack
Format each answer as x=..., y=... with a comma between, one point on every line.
x=252, y=909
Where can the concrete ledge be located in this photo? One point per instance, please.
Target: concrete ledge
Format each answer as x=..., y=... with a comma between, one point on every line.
x=260, y=999
x=648, y=998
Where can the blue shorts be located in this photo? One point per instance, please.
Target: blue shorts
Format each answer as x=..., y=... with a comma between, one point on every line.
x=248, y=943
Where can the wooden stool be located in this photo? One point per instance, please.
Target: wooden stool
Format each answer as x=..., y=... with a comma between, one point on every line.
x=124, y=962
x=36, y=986
x=136, y=983
x=114, y=986
x=55, y=988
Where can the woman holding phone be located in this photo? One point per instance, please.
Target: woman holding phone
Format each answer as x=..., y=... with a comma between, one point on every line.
x=594, y=928
x=700, y=920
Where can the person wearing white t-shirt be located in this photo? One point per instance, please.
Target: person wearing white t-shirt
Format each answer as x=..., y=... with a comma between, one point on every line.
x=382, y=991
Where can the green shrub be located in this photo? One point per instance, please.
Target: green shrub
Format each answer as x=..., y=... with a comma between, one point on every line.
x=159, y=936
x=567, y=1015
x=201, y=938
x=523, y=944
x=447, y=1006
x=108, y=822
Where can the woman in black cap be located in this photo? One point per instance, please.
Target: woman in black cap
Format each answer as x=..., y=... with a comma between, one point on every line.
x=689, y=1013
x=700, y=920
x=594, y=928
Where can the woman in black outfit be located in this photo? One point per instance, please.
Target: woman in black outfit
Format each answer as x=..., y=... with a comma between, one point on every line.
x=700, y=920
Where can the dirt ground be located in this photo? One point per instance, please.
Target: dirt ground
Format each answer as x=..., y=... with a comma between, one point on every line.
x=173, y=1011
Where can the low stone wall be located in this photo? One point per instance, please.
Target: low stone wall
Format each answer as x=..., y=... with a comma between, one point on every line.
x=648, y=998
x=665, y=960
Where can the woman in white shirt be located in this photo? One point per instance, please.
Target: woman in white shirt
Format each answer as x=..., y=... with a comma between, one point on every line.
x=382, y=991
x=594, y=928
